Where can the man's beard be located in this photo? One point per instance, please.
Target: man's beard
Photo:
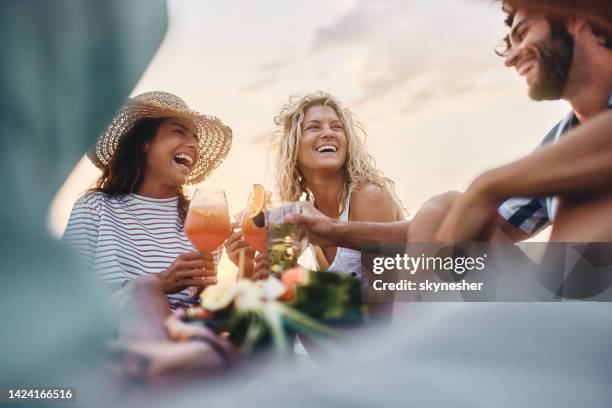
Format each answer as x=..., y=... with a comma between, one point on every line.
x=555, y=60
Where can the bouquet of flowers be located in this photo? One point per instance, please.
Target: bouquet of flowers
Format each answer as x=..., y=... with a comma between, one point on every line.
x=270, y=311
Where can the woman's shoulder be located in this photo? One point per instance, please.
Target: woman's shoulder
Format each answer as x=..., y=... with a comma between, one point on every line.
x=371, y=194
x=87, y=206
x=95, y=200
x=89, y=199
x=371, y=202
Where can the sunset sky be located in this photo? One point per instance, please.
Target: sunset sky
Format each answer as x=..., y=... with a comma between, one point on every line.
x=438, y=105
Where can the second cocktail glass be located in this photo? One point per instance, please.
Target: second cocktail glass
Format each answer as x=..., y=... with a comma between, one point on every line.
x=254, y=225
x=286, y=242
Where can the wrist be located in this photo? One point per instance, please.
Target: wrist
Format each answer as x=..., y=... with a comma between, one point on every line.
x=162, y=282
x=339, y=231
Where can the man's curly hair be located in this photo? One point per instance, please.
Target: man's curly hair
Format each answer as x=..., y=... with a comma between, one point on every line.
x=557, y=12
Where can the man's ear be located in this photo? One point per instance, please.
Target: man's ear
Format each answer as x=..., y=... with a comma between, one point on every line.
x=580, y=27
x=145, y=148
x=577, y=26
x=601, y=37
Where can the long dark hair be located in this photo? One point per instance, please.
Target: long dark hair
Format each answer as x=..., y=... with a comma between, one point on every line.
x=125, y=171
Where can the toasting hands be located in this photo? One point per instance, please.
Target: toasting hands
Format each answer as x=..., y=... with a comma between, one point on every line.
x=189, y=269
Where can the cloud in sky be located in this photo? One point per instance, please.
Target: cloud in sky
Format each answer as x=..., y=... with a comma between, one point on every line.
x=256, y=86
x=274, y=65
x=428, y=49
x=270, y=72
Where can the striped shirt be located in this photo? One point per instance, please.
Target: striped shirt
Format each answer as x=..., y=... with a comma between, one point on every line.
x=531, y=214
x=125, y=236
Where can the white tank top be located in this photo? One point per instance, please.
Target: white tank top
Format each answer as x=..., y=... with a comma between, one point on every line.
x=346, y=260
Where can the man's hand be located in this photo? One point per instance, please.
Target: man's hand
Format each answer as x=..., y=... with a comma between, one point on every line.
x=190, y=269
x=319, y=228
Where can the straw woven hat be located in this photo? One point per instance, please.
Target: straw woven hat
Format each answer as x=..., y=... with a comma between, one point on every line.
x=214, y=137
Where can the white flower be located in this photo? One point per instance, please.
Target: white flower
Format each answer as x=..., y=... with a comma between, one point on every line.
x=272, y=288
x=217, y=297
x=246, y=295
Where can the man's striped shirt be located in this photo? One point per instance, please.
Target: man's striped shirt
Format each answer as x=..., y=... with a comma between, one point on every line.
x=531, y=214
x=125, y=236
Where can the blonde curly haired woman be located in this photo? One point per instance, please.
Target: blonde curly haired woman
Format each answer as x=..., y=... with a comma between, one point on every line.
x=321, y=158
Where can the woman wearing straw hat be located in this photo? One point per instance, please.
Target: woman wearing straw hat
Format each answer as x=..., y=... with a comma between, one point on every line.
x=131, y=223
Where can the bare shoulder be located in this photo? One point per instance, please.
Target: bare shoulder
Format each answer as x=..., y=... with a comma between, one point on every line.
x=370, y=202
x=370, y=194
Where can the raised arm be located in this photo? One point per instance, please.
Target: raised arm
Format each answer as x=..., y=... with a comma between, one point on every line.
x=370, y=203
x=580, y=164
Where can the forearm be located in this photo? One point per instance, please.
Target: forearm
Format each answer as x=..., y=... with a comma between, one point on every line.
x=580, y=163
x=356, y=234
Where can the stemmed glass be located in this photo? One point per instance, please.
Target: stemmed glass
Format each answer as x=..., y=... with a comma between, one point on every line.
x=254, y=228
x=207, y=224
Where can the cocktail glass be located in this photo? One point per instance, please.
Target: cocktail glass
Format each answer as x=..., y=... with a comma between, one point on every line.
x=254, y=228
x=207, y=224
x=286, y=242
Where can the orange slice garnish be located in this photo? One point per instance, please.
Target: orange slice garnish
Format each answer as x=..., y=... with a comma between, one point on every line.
x=258, y=201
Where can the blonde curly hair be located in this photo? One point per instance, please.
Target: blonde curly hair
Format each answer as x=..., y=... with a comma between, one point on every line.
x=359, y=167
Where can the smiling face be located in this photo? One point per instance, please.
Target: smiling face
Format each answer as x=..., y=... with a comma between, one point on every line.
x=323, y=144
x=541, y=52
x=172, y=153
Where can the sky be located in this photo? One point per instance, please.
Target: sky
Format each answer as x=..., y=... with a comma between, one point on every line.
x=438, y=105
